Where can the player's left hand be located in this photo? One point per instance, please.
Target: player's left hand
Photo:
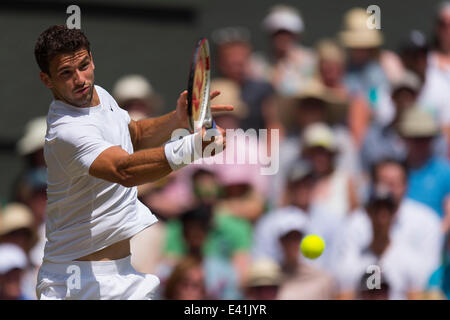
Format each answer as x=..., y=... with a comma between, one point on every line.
x=181, y=110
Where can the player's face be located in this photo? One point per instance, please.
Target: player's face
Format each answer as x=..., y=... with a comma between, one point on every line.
x=71, y=78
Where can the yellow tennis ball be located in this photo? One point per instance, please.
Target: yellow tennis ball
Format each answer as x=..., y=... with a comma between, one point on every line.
x=312, y=246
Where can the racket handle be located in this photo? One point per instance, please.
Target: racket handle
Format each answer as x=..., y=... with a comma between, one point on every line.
x=213, y=124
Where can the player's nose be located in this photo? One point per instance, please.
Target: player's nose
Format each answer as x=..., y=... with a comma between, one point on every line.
x=78, y=78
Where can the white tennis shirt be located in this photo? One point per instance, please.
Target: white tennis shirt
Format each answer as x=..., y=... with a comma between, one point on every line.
x=86, y=214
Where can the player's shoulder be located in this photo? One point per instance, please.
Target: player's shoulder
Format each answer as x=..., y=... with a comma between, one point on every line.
x=102, y=92
x=107, y=98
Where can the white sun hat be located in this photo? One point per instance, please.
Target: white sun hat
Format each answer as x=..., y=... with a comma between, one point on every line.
x=11, y=257
x=34, y=137
x=132, y=86
x=283, y=17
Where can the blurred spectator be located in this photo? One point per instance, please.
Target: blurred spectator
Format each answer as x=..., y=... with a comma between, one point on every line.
x=230, y=93
x=17, y=226
x=414, y=52
x=331, y=71
x=365, y=73
x=169, y=196
x=135, y=94
x=384, y=141
x=13, y=262
x=439, y=282
x=429, y=176
x=187, y=281
x=314, y=105
x=301, y=281
x=233, y=58
x=396, y=262
x=300, y=212
x=31, y=148
x=31, y=145
x=241, y=197
x=220, y=278
x=440, y=54
x=228, y=239
x=263, y=281
x=435, y=68
x=290, y=66
x=334, y=189
x=206, y=187
x=414, y=225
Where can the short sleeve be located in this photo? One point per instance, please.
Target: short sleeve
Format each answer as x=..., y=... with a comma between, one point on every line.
x=126, y=115
x=77, y=147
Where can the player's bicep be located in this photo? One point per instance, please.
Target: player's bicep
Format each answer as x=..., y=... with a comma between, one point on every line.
x=106, y=165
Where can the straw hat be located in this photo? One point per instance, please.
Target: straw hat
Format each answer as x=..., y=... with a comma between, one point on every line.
x=417, y=123
x=16, y=216
x=356, y=34
x=263, y=272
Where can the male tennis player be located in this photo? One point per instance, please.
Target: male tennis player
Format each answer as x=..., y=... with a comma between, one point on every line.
x=96, y=156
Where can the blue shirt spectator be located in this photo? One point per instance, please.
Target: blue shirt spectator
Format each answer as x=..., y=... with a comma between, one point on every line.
x=430, y=184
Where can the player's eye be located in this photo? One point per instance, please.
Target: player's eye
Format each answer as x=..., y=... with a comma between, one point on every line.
x=84, y=66
x=65, y=73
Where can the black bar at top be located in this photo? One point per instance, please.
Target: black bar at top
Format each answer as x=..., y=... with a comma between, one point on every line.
x=150, y=13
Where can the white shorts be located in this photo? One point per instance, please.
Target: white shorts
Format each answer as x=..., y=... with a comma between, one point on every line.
x=94, y=280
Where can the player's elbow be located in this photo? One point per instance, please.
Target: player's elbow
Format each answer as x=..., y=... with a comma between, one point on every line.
x=122, y=175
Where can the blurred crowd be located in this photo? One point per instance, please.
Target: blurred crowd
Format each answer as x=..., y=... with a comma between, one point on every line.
x=363, y=163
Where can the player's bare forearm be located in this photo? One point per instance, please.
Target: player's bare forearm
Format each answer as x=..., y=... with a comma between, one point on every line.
x=153, y=132
x=116, y=165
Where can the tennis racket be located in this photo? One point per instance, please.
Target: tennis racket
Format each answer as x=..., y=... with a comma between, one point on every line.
x=199, y=108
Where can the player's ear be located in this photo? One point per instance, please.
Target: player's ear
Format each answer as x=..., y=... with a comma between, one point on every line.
x=45, y=78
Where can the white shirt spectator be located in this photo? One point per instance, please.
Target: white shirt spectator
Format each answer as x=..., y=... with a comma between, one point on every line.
x=435, y=93
x=291, y=150
x=397, y=265
x=266, y=233
x=414, y=226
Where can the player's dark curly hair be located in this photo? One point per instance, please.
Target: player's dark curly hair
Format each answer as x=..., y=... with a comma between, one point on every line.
x=55, y=40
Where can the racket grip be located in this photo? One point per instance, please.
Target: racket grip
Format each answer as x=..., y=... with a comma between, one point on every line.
x=213, y=124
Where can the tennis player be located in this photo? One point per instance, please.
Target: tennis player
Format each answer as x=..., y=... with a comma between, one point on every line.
x=96, y=156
